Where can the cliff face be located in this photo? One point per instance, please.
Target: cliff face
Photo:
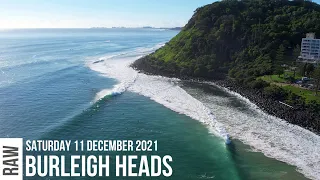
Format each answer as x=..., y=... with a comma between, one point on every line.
x=245, y=38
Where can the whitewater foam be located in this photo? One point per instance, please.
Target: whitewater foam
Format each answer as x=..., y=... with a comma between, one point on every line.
x=268, y=134
x=166, y=92
x=160, y=89
x=118, y=70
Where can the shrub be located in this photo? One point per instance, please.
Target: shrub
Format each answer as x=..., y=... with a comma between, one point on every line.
x=275, y=92
x=259, y=84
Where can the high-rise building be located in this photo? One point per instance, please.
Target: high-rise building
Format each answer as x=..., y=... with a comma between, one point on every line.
x=310, y=49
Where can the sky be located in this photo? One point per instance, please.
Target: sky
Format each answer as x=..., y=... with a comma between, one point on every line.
x=96, y=13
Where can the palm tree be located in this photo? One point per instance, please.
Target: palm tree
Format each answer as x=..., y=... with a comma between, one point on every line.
x=316, y=76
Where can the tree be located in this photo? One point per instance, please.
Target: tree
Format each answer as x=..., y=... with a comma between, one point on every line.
x=279, y=70
x=303, y=68
x=316, y=77
x=296, y=52
x=280, y=53
x=309, y=69
x=275, y=92
x=294, y=68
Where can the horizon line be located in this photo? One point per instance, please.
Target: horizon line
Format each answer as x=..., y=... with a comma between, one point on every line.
x=115, y=27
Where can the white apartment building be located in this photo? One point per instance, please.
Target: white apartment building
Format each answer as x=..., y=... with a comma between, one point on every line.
x=310, y=49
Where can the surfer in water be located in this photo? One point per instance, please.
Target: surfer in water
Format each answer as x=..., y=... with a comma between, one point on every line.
x=228, y=140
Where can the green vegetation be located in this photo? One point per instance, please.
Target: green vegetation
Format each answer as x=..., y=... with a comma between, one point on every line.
x=273, y=79
x=316, y=76
x=248, y=41
x=248, y=38
x=309, y=95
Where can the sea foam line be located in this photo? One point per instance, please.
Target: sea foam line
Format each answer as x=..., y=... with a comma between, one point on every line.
x=160, y=89
x=272, y=136
x=165, y=91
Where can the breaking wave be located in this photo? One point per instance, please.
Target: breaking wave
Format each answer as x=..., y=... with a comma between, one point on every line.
x=270, y=135
x=165, y=91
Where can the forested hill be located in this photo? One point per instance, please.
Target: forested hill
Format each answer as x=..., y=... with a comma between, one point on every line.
x=244, y=39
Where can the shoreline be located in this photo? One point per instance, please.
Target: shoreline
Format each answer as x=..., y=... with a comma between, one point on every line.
x=301, y=163
x=229, y=87
x=293, y=115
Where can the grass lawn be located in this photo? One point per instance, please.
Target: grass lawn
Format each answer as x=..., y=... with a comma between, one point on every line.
x=308, y=94
x=273, y=78
x=290, y=73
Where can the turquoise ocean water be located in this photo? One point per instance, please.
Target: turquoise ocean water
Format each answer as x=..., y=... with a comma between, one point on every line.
x=47, y=91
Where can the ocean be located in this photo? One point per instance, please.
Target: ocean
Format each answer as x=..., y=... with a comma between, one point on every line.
x=75, y=84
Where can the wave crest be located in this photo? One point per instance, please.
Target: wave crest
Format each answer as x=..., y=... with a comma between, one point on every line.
x=165, y=91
